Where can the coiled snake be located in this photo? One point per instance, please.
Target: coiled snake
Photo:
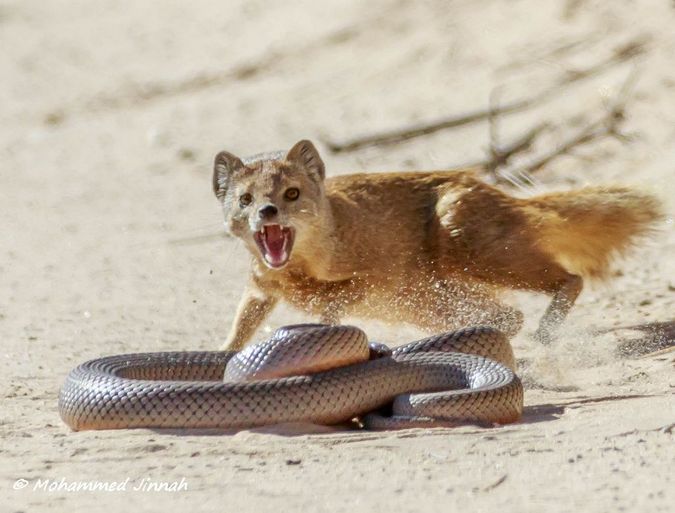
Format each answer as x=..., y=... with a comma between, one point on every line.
x=430, y=382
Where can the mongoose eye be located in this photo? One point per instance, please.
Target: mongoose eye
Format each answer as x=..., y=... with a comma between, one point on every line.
x=245, y=199
x=292, y=194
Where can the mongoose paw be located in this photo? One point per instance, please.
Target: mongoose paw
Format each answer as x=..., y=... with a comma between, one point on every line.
x=544, y=336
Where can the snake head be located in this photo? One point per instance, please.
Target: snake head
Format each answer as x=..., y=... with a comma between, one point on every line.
x=378, y=350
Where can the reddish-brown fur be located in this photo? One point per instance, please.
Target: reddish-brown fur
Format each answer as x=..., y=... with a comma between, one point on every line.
x=428, y=248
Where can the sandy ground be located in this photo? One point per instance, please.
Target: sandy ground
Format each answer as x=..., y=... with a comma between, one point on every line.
x=111, y=113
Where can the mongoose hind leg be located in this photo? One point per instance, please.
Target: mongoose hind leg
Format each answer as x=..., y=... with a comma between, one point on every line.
x=563, y=300
x=542, y=274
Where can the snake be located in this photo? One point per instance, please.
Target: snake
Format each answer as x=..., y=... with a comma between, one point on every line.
x=463, y=376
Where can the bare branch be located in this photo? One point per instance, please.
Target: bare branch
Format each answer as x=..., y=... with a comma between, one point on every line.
x=499, y=156
x=410, y=132
x=622, y=54
x=607, y=125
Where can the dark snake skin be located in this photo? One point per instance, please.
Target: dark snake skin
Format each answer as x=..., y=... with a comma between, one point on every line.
x=428, y=381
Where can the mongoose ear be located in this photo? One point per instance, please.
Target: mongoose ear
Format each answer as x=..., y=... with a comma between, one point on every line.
x=223, y=167
x=305, y=154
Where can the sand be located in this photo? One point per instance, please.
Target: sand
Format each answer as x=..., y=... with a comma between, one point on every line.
x=111, y=114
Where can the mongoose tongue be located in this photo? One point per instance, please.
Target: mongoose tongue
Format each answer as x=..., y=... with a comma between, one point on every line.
x=276, y=242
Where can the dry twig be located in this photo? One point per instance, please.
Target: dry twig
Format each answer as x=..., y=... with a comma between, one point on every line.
x=607, y=125
x=622, y=54
x=410, y=132
x=657, y=337
x=499, y=155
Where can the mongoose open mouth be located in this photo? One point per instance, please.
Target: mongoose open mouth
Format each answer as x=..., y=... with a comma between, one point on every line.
x=275, y=243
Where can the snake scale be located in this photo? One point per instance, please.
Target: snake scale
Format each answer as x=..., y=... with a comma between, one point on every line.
x=433, y=381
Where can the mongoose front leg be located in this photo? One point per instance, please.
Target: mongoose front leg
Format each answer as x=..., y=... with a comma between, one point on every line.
x=562, y=302
x=253, y=308
x=331, y=315
x=455, y=304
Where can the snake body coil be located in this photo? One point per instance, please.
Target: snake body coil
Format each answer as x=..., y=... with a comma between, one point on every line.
x=429, y=381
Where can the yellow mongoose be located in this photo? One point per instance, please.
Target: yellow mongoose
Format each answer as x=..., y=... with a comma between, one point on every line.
x=428, y=248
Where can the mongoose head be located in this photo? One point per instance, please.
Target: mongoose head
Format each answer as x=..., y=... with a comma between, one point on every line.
x=272, y=201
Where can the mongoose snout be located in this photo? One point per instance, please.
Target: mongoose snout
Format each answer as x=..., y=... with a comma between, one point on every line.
x=268, y=211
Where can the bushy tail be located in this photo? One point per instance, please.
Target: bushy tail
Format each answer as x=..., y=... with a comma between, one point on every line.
x=585, y=229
